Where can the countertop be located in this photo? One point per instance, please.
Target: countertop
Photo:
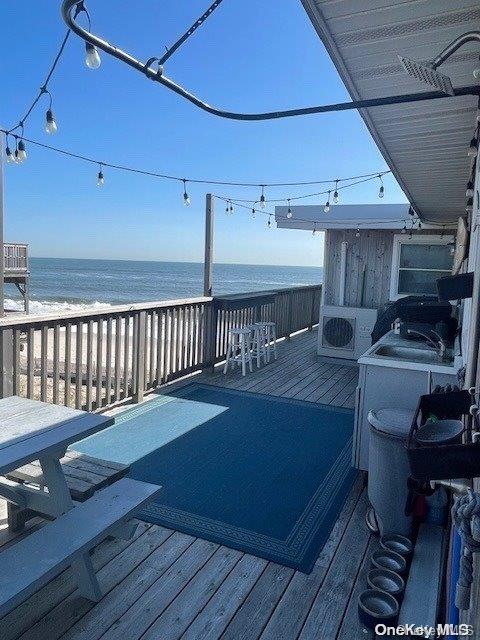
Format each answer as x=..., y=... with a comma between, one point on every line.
x=392, y=339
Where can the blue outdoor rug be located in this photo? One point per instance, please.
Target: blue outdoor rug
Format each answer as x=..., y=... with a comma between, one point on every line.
x=261, y=474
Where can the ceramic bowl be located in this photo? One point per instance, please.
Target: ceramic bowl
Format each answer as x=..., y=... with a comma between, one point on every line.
x=383, y=559
x=398, y=544
x=386, y=580
x=441, y=431
x=377, y=607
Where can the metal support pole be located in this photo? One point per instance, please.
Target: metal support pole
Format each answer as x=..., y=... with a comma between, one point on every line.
x=2, y=260
x=209, y=235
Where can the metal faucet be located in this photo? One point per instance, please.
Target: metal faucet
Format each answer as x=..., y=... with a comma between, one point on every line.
x=439, y=345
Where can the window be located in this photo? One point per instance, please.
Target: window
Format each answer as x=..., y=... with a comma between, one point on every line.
x=418, y=262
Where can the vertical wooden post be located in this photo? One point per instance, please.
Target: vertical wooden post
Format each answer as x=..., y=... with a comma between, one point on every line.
x=209, y=236
x=6, y=362
x=2, y=260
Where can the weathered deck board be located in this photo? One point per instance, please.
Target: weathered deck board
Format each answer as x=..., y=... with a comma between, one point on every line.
x=164, y=584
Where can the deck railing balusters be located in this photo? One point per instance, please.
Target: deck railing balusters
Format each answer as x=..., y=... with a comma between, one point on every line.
x=137, y=347
x=56, y=363
x=78, y=365
x=99, y=374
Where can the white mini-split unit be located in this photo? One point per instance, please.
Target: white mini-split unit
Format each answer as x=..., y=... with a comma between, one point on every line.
x=344, y=332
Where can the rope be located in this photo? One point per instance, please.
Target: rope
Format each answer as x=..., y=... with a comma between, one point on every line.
x=466, y=517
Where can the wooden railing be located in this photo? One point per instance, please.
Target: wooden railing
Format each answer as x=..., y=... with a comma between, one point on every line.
x=100, y=358
x=15, y=256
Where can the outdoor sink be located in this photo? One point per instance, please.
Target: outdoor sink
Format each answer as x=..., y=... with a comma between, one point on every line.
x=410, y=354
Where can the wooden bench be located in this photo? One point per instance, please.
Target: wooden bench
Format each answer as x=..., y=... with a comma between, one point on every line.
x=32, y=562
x=84, y=475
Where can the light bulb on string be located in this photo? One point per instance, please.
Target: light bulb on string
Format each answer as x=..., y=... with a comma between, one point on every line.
x=21, y=153
x=253, y=212
x=231, y=208
x=269, y=223
x=226, y=209
x=92, y=57
x=357, y=233
x=262, y=200
x=469, y=191
x=186, y=197
x=326, y=208
x=100, y=177
x=335, y=193
x=381, y=191
x=314, y=232
x=404, y=230
x=50, y=123
x=10, y=156
x=469, y=207
x=289, y=210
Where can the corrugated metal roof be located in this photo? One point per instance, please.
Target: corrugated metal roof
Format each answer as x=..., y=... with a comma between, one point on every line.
x=425, y=144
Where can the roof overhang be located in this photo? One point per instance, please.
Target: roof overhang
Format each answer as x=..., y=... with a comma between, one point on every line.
x=347, y=216
x=425, y=144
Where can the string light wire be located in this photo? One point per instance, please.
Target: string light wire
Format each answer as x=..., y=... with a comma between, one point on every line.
x=209, y=181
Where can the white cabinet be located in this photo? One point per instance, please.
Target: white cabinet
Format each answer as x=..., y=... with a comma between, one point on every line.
x=382, y=386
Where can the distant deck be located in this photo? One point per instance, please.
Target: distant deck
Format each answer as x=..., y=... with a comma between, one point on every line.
x=166, y=585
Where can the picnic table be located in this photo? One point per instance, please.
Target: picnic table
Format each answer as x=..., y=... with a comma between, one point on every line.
x=31, y=430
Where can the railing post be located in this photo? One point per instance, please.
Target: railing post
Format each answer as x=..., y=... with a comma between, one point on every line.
x=7, y=359
x=209, y=347
x=139, y=368
x=312, y=310
x=289, y=317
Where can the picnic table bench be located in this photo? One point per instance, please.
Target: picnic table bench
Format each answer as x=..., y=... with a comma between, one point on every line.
x=31, y=431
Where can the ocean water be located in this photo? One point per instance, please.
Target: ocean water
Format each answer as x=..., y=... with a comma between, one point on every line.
x=58, y=284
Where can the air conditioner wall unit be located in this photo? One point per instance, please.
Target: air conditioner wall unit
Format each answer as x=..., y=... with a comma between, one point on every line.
x=344, y=332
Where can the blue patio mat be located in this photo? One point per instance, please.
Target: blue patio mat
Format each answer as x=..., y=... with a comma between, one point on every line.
x=257, y=473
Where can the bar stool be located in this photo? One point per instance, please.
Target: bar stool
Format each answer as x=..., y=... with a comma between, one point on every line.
x=259, y=346
x=269, y=330
x=239, y=348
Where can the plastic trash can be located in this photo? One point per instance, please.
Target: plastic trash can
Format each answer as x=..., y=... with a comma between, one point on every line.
x=388, y=469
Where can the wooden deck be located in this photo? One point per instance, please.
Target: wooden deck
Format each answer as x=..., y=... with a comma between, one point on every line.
x=165, y=585
x=297, y=373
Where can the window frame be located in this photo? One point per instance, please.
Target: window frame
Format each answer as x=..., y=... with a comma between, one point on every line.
x=401, y=239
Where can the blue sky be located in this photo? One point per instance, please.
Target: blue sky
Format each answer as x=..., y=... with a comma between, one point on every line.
x=250, y=55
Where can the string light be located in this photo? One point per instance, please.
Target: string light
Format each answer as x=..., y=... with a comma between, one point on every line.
x=473, y=148
x=326, y=208
x=100, y=177
x=404, y=230
x=469, y=191
x=335, y=193
x=289, y=210
x=186, y=197
x=357, y=233
x=9, y=154
x=253, y=212
x=50, y=124
x=92, y=57
x=469, y=207
x=262, y=199
x=21, y=152
x=314, y=232
x=381, y=191
x=269, y=223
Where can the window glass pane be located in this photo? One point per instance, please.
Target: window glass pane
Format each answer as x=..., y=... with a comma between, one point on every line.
x=426, y=256
x=418, y=281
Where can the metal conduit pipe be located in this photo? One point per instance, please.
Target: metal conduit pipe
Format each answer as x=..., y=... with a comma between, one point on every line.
x=157, y=75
